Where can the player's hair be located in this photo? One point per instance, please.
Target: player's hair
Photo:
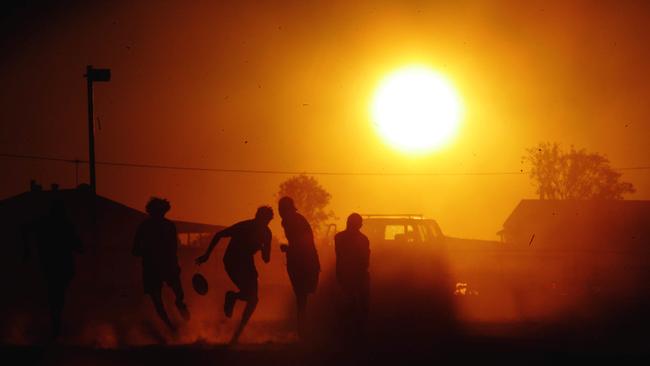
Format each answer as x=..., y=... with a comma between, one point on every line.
x=158, y=205
x=264, y=212
x=354, y=221
x=286, y=203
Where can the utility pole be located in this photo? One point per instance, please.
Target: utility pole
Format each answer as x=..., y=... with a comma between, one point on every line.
x=91, y=76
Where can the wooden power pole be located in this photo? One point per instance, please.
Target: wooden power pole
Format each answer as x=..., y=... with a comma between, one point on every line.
x=93, y=75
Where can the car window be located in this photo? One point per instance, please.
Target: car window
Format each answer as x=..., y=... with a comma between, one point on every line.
x=422, y=232
x=433, y=229
x=390, y=231
x=417, y=233
x=414, y=231
x=411, y=234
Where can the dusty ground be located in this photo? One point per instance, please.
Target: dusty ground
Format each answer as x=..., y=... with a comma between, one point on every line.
x=537, y=346
x=274, y=354
x=413, y=320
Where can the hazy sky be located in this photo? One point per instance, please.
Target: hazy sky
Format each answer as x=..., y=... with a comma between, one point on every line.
x=287, y=86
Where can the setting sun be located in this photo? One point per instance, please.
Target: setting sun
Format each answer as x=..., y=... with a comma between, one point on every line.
x=416, y=109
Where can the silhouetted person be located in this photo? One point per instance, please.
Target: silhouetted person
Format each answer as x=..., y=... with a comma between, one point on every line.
x=246, y=238
x=56, y=242
x=352, y=260
x=156, y=242
x=303, y=265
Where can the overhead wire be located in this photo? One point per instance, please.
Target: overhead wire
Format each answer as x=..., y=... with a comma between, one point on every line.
x=277, y=172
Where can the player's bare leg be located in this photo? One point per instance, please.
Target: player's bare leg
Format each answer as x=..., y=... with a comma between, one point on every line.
x=248, y=312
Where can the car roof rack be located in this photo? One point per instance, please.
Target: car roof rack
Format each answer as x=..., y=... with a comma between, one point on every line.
x=394, y=216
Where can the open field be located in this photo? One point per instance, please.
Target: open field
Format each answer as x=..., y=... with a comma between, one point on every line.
x=466, y=349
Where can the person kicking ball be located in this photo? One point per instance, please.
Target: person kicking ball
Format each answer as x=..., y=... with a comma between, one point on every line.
x=246, y=239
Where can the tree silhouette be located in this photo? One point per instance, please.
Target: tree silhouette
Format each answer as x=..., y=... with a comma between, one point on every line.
x=574, y=174
x=310, y=197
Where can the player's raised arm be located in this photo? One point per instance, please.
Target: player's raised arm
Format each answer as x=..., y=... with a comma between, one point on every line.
x=213, y=243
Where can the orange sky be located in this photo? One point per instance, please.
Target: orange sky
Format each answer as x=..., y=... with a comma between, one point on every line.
x=287, y=86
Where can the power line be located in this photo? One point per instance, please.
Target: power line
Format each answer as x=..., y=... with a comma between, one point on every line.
x=248, y=171
x=274, y=172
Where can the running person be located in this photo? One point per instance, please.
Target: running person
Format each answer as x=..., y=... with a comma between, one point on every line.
x=156, y=242
x=246, y=238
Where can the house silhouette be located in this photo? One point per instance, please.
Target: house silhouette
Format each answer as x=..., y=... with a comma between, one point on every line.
x=594, y=254
x=580, y=225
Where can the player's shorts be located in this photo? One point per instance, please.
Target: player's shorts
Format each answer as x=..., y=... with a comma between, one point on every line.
x=245, y=278
x=153, y=281
x=303, y=268
x=303, y=281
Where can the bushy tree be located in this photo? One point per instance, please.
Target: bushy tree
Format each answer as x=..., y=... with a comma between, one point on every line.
x=310, y=197
x=574, y=174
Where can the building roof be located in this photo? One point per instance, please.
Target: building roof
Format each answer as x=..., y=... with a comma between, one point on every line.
x=534, y=210
x=607, y=221
x=81, y=206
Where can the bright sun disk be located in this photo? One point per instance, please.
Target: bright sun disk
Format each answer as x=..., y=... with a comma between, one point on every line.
x=416, y=110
